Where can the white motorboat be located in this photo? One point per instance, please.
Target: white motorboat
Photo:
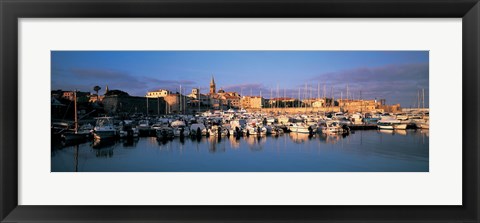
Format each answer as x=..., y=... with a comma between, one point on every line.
x=144, y=125
x=177, y=124
x=391, y=124
x=178, y=131
x=251, y=129
x=216, y=129
x=198, y=127
x=299, y=128
x=332, y=127
x=127, y=129
x=104, y=128
x=356, y=118
x=425, y=125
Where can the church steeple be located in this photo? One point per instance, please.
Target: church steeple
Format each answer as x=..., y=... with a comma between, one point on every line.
x=212, y=86
x=106, y=89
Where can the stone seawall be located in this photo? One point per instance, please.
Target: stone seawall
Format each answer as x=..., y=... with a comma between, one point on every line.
x=295, y=110
x=130, y=105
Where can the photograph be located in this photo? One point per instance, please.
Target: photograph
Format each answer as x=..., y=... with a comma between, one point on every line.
x=239, y=111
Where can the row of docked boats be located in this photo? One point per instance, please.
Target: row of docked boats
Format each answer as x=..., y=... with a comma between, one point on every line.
x=238, y=123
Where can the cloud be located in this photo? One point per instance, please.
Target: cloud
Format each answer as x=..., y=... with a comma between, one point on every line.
x=115, y=79
x=397, y=83
x=99, y=73
x=171, y=85
x=85, y=79
x=247, y=89
x=168, y=82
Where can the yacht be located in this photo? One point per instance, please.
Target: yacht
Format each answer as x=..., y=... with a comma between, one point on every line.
x=299, y=128
x=391, y=124
x=195, y=127
x=104, y=128
x=332, y=127
x=165, y=133
x=425, y=125
x=84, y=132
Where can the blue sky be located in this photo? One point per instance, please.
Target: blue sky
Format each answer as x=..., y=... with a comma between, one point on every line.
x=396, y=76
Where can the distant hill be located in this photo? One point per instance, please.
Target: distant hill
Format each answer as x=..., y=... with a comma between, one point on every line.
x=116, y=93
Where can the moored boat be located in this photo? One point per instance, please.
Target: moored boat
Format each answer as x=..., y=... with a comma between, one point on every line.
x=165, y=133
x=391, y=124
x=332, y=127
x=104, y=128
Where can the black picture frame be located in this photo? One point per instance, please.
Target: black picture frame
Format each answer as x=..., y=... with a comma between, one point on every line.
x=12, y=10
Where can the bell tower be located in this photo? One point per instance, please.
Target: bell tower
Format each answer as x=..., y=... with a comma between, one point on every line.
x=212, y=86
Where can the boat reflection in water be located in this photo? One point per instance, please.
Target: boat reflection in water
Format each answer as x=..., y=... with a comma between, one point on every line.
x=105, y=143
x=331, y=138
x=359, y=151
x=300, y=137
x=129, y=142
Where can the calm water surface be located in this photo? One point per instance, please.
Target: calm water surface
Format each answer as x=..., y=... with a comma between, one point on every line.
x=361, y=151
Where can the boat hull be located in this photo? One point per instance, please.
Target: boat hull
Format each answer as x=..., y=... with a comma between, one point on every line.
x=388, y=127
x=104, y=134
x=75, y=136
x=400, y=126
x=424, y=126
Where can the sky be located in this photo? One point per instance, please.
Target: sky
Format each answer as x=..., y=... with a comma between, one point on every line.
x=397, y=76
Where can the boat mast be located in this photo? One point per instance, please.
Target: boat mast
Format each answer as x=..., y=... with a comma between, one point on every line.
x=277, y=103
x=318, y=95
x=75, y=108
x=271, y=93
x=261, y=104
x=423, y=98
x=333, y=99
x=299, y=98
x=306, y=95
x=418, y=100
x=341, y=97
x=361, y=101
x=347, y=92
x=310, y=99
x=180, y=99
x=318, y=90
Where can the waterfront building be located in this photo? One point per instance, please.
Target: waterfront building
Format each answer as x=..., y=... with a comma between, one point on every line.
x=81, y=96
x=222, y=99
x=228, y=99
x=93, y=98
x=232, y=100
x=252, y=102
x=176, y=103
x=282, y=102
x=352, y=105
x=319, y=103
x=158, y=93
x=197, y=97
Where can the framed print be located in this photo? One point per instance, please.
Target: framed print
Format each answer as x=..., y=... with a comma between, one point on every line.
x=287, y=111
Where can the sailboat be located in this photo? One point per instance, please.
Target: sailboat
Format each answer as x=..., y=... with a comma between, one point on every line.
x=77, y=133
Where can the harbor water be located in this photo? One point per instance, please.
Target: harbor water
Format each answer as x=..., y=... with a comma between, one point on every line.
x=359, y=151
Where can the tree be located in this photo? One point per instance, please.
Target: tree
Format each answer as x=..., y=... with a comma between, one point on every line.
x=97, y=88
